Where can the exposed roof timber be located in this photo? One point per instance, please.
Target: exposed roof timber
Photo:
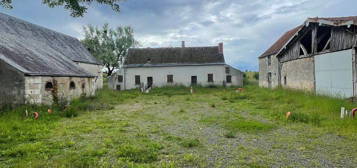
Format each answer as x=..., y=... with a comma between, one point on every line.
x=328, y=22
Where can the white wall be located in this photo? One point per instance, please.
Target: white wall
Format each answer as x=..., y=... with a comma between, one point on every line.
x=333, y=73
x=181, y=74
x=95, y=70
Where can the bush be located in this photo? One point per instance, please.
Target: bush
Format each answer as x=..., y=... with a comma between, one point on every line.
x=256, y=75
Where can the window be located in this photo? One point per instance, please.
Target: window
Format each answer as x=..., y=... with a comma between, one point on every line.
x=285, y=82
x=210, y=77
x=137, y=80
x=228, y=70
x=269, y=60
x=72, y=85
x=170, y=78
x=229, y=79
x=120, y=78
x=118, y=87
x=48, y=86
x=83, y=85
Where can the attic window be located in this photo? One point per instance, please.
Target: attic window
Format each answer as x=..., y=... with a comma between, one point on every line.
x=72, y=85
x=48, y=86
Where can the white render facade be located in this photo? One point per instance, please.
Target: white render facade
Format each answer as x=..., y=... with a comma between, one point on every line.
x=161, y=76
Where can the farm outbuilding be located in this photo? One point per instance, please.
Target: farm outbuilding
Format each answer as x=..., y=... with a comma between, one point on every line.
x=187, y=66
x=318, y=56
x=38, y=65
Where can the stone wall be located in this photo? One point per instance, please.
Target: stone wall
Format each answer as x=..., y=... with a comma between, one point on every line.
x=11, y=85
x=264, y=69
x=298, y=74
x=36, y=91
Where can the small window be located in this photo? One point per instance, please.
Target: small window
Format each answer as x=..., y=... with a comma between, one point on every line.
x=118, y=87
x=269, y=60
x=137, y=80
x=148, y=60
x=120, y=78
x=285, y=82
x=210, y=77
x=229, y=79
x=170, y=78
x=49, y=86
x=72, y=85
x=228, y=70
x=83, y=85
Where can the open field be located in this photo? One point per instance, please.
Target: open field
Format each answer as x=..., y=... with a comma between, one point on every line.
x=169, y=127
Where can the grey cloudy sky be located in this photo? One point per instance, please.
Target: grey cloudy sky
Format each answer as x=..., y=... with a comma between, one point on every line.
x=247, y=27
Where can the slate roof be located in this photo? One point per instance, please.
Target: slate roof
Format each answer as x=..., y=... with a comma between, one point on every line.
x=35, y=50
x=174, y=56
x=275, y=48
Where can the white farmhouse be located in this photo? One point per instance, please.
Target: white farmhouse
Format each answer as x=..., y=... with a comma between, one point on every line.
x=158, y=67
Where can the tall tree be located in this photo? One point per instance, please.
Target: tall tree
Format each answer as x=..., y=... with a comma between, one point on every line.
x=109, y=45
x=77, y=7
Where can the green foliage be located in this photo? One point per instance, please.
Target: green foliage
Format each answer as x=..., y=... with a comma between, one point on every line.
x=190, y=143
x=145, y=153
x=108, y=45
x=256, y=75
x=77, y=7
x=229, y=134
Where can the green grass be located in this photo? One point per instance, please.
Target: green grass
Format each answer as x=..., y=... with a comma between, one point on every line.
x=170, y=127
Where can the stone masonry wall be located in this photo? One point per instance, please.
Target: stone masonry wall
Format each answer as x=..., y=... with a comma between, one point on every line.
x=36, y=92
x=299, y=74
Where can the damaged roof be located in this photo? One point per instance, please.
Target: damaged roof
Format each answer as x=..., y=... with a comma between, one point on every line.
x=174, y=56
x=286, y=37
x=35, y=50
x=275, y=48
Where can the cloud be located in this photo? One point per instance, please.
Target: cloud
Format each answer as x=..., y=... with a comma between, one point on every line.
x=246, y=27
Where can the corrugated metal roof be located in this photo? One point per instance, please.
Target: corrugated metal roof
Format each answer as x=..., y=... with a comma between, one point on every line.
x=35, y=50
x=275, y=48
x=177, y=55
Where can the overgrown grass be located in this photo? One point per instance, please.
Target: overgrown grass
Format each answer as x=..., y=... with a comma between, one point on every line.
x=170, y=127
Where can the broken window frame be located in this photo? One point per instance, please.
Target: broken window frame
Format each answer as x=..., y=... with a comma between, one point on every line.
x=229, y=78
x=210, y=78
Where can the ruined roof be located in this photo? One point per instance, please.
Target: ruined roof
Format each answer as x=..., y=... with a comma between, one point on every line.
x=174, y=56
x=331, y=21
x=336, y=21
x=275, y=48
x=35, y=50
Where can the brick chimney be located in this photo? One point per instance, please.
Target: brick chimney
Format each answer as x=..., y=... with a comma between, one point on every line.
x=220, y=48
x=183, y=44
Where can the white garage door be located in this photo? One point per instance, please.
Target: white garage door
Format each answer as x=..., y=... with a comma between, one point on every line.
x=333, y=72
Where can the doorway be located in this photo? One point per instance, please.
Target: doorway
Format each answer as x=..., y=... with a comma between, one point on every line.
x=193, y=80
x=149, y=82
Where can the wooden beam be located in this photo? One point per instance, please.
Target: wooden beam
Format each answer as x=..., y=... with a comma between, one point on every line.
x=304, y=50
x=327, y=43
x=314, y=39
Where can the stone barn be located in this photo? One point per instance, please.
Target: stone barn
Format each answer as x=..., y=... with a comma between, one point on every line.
x=158, y=67
x=318, y=56
x=38, y=65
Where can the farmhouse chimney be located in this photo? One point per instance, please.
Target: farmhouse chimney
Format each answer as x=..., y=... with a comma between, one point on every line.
x=220, y=48
x=183, y=44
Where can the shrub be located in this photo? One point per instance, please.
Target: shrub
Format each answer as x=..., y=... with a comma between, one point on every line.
x=256, y=75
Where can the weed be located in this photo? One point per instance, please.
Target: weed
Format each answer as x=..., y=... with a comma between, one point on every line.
x=229, y=134
x=145, y=153
x=190, y=143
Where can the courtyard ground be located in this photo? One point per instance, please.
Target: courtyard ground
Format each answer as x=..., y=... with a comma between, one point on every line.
x=169, y=127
